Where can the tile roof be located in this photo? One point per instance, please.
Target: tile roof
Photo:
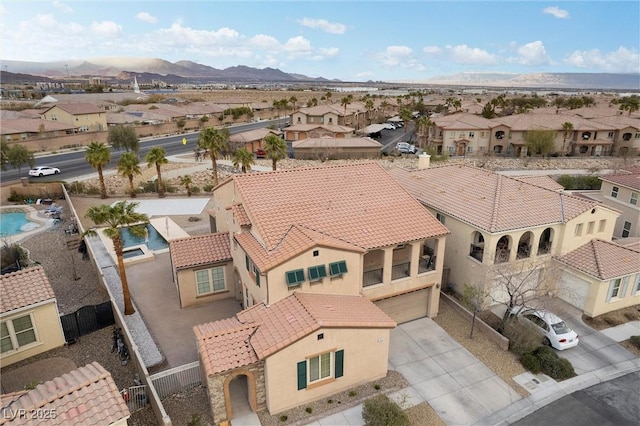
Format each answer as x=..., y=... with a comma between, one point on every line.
x=200, y=250
x=252, y=135
x=334, y=128
x=78, y=108
x=23, y=288
x=359, y=204
x=321, y=110
x=87, y=395
x=31, y=125
x=240, y=215
x=296, y=240
x=523, y=122
x=261, y=330
x=328, y=142
x=603, y=259
x=543, y=181
x=488, y=200
x=628, y=180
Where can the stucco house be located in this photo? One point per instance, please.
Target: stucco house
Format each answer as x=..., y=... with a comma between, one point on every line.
x=84, y=117
x=348, y=229
x=252, y=139
x=502, y=225
x=340, y=148
x=202, y=268
x=84, y=396
x=29, y=317
x=299, y=132
x=602, y=276
x=297, y=350
x=621, y=191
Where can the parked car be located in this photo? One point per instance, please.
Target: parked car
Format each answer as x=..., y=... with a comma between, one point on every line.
x=389, y=126
x=44, y=171
x=556, y=333
x=260, y=153
x=406, y=148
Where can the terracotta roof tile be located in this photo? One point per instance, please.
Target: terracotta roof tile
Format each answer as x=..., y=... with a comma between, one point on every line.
x=252, y=135
x=603, y=259
x=295, y=241
x=327, y=142
x=87, y=395
x=78, y=108
x=200, y=250
x=262, y=330
x=23, y=288
x=629, y=180
x=334, y=128
x=359, y=204
x=488, y=200
x=240, y=215
x=543, y=181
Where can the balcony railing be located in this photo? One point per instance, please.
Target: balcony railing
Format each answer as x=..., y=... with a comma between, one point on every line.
x=372, y=277
x=400, y=270
x=477, y=252
x=427, y=263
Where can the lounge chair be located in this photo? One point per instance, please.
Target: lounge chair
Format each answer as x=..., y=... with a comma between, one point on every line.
x=53, y=213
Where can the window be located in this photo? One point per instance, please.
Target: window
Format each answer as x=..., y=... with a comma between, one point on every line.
x=210, y=281
x=256, y=273
x=320, y=367
x=469, y=149
x=602, y=225
x=590, y=227
x=338, y=268
x=472, y=134
x=294, y=277
x=636, y=286
x=16, y=333
x=614, y=192
x=610, y=135
x=440, y=217
x=317, y=273
x=618, y=288
x=626, y=229
x=634, y=198
x=578, y=230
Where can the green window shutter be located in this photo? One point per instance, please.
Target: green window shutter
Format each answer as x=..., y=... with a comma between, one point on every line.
x=322, y=271
x=339, y=363
x=258, y=278
x=246, y=261
x=302, y=375
x=338, y=268
x=313, y=273
x=333, y=269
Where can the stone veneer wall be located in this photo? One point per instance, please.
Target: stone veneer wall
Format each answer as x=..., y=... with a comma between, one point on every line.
x=219, y=400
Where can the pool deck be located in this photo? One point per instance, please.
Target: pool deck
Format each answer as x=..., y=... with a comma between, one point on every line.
x=165, y=227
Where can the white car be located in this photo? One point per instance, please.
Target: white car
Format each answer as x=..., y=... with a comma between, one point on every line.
x=44, y=171
x=556, y=332
x=406, y=148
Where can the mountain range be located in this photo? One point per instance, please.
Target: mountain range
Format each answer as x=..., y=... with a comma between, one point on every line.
x=147, y=69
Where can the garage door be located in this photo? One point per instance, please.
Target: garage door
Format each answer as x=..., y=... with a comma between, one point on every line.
x=406, y=307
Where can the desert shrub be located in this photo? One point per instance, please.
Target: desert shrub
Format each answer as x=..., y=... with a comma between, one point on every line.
x=14, y=197
x=13, y=256
x=170, y=189
x=309, y=410
x=551, y=364
x=381, y=411
x=207, y=188
x=195, y=189
x=635, y=341
x=149, y=186
x=75, y=187
x=92, y=190
x=283, y=418
x=352, y=393
x=530, y=362
x=376, y=386
x=579, y=182
x=523, y=337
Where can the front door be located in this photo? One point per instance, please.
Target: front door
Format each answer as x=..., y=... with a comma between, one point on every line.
x=461, y=148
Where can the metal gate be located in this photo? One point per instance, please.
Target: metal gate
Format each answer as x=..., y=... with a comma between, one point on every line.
x=86, y=320
x=135, y=397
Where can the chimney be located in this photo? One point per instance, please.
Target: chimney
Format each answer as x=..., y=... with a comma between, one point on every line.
x=424, y=161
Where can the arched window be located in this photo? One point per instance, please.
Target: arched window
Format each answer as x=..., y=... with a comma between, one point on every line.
x=524, y=246
x=477, y=246
x=546, y=239
x=503, y=249
x=500, y=134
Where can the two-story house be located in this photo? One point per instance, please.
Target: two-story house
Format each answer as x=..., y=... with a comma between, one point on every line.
x=621, y=192
x=502, y=224
x=84, y=117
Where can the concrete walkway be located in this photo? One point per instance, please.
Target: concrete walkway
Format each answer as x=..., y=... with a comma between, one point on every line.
x=441, y=372
x=623, y=331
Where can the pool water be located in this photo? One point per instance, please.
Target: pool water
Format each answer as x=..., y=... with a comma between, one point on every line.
x=127, y=254
x=156, y=241
x=12, y=223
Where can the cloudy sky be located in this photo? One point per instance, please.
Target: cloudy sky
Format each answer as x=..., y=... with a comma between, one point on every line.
x=356, y=41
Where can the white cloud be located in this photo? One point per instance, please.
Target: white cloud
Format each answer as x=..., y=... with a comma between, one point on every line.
x=297, y=46
x=432, y=50
x=398, y=56
x=328, y=52
x=324, y=25
x=364, y=75
x=45, y=21
x=556, y=12
x=463, y=54
x=622, y=60
x=106, y=28
x=533, y=54
x=265, y=42
x=146, y=17
x=62, y=6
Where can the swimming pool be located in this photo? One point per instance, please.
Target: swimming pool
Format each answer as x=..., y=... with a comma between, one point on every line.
x=156, y=241
x=15, y=222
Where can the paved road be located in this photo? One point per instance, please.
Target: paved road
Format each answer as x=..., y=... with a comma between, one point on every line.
x=612, y=403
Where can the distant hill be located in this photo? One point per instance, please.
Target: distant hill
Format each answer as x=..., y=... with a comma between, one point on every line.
x=147, y=69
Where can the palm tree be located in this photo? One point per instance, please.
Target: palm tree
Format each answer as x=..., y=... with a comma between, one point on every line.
x=243, y=159
x=567, y=128
x=327, y=96
x=293, y=101
x=215, y=141
x=406, y=116
x=275, y=148
x=186, y=182
x=121, y=214
x=157, y=156
x=98, y=155
x=368, y=104
x=424, y=123
x=384, y=105
x=129, y=165
x=344, y=102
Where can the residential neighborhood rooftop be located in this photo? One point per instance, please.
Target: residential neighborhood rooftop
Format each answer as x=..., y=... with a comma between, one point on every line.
x=23, y=288
x=200, y=250
x=604, y=259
